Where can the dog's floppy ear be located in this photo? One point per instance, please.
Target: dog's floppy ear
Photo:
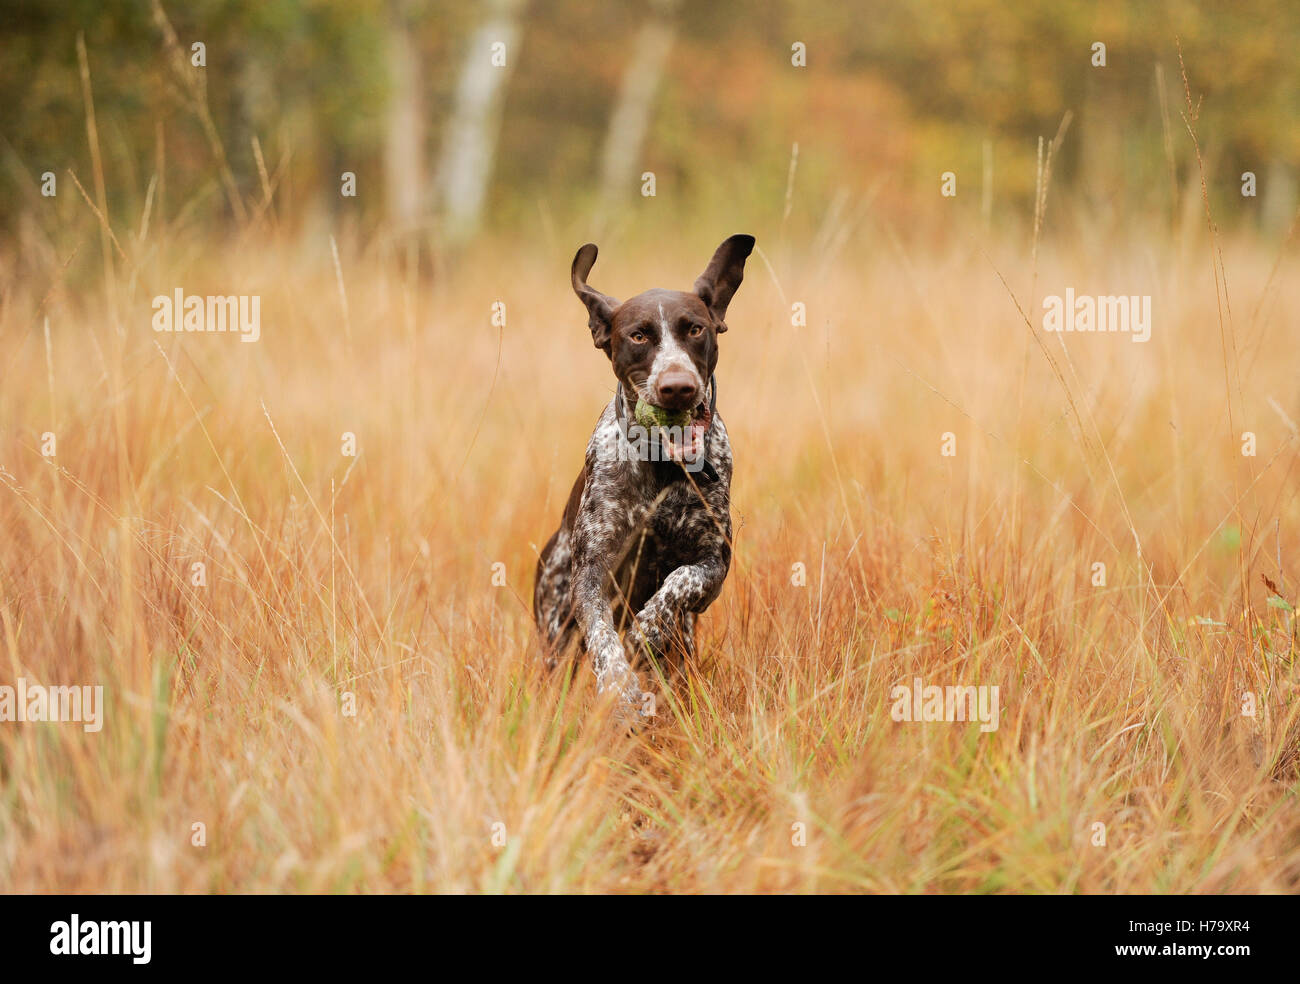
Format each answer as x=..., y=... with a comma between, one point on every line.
x=722, y=277
x=600, y=307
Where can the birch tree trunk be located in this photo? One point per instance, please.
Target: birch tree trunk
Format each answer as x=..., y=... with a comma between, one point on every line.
x=404, y=183
x=625, y=139
x=470, y=142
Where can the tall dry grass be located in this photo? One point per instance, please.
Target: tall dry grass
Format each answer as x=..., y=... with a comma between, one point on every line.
x=374, y=576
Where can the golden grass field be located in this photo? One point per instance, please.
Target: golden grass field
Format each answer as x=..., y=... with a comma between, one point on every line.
x=374, y=575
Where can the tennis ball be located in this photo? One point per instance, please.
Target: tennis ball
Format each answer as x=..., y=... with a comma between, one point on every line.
x=649, y=416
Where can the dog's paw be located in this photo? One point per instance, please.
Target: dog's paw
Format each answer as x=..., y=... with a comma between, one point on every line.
x=629, y=715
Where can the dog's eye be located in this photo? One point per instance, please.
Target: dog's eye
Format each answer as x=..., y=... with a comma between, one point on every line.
x=696, y=331
x=638, y=337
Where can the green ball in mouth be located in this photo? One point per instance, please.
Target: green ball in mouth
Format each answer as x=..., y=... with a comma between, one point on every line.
x=649, y=416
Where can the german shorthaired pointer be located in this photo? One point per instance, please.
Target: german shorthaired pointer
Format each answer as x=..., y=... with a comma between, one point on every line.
x=646, y=534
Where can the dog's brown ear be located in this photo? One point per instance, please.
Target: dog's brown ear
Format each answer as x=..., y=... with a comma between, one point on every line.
x=719, y=281
x=600, y=307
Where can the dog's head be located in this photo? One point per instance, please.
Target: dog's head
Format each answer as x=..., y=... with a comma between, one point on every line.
x=664, y=343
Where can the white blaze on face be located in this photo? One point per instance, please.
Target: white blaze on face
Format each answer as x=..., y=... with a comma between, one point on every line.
x=670, y=356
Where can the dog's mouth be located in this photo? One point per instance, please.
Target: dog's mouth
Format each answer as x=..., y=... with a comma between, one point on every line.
x=686, y=443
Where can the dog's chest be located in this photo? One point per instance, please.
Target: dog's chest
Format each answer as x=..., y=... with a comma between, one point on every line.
x=675, y=525
x=665, y=518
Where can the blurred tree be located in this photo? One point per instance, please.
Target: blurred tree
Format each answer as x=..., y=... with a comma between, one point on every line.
x=404, y=184
x=470, y=140
x=631, y=117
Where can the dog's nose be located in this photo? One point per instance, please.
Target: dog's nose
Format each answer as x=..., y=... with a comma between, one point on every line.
x=677, y=390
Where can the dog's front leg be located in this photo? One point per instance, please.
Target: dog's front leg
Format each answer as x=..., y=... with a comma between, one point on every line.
x=594, y=616
x=596, y=622
x=690, y=588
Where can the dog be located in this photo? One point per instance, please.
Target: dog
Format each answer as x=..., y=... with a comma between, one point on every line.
x=645, y=541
